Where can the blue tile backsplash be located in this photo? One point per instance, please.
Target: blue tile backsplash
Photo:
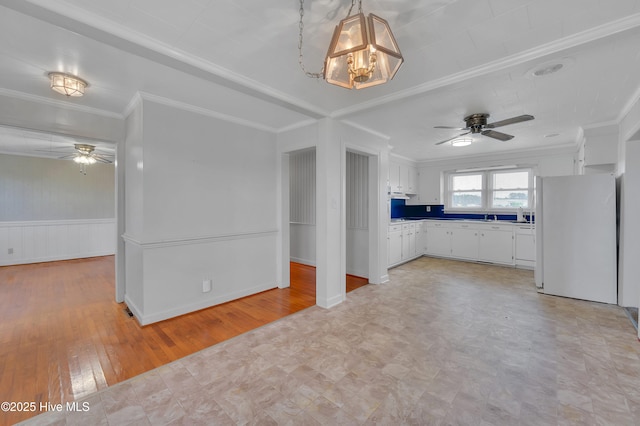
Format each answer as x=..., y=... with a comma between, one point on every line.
x=399, y=209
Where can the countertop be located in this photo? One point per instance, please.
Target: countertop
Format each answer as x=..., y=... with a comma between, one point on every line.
x=456, y=219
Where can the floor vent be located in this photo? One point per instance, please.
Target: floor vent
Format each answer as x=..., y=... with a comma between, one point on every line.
x=128, y=312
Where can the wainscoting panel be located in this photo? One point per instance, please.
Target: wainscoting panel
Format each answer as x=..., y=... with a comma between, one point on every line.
x=44, y=241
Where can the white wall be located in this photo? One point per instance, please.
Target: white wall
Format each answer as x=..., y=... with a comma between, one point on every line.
x=601, y=149
x=302, y=211
x=49, y=189
x=302, y=206
x=629, y=244
x=629, y=249
x=50, y=211
x=558, y=162
x=208, y=190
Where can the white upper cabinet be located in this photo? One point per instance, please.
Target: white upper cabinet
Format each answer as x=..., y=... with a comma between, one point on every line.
x=428, y=187
x=403, y=178
x=412, y=179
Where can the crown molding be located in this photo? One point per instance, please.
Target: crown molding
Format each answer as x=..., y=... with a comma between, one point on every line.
x=566, y=148
x=59, y=104
x=556, y=46
x=117, y=35
x=203, y=111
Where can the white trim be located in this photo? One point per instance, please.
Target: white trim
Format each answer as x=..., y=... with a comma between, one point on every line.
x=308, y=262
x=365, y=129
x=192, y=307
x=300, y=124
x=331, y=302
x=569, y=148
x=82, y=19
x=59, y=103
x=133, y=103
x=18, y=223
x=137, y=313
x=204, y=111
x=197, y=239
x=51, y=240
x=628, y=106
x=574, y=40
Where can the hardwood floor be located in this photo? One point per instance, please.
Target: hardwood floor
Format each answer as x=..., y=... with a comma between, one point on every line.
x=62, y=335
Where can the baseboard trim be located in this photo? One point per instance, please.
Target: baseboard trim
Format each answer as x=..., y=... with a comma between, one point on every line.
x=193, y=307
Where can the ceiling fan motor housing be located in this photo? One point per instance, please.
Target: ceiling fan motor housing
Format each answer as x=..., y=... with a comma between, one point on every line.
x=476, y=122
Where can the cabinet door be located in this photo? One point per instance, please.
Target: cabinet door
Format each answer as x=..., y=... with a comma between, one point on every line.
x=412, y=244
x=438, y=240
x=394, y=247
x=496, y=245
x=464, y=242
x=421, y=239
x=525, y=247
x=408, y=241
x=412, y=180
x=394, y=177
x=429, y=186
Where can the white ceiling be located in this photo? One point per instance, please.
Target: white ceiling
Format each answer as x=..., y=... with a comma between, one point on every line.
x=240, y=60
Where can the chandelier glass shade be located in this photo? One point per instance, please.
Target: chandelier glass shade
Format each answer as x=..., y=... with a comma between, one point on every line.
x=362, y=53
x=67, y=84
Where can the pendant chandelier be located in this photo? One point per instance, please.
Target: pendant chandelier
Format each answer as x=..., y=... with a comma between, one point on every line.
x=363, y=51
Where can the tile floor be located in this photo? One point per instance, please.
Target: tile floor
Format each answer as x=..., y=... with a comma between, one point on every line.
x=443, y=342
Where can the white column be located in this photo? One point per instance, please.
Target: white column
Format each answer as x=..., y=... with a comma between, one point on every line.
x=330, y=259
x=283, y=274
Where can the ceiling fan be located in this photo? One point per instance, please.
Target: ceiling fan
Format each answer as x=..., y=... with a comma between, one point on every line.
x=477, y=123
x=85, y=154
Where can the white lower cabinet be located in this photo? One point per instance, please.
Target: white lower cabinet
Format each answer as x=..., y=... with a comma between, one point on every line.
x=421, y=238
x=405, y=242
x=394, y=246
x=464, y=241
x=438, y=239
x=408, y=241
x=525, y=246
x=495, y=244
x=471, y=241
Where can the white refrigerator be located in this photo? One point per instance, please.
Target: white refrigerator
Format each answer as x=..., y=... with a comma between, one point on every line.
x=576, y=253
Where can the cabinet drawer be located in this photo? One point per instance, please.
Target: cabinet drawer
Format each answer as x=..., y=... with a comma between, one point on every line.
x=395, y=228
x=487, y=227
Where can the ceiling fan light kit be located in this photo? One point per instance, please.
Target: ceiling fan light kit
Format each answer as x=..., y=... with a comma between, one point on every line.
x=67, y=84
x=477, y=124
x=363, y=51
x=462, y=142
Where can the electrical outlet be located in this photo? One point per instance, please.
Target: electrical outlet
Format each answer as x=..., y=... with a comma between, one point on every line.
x=206, y=285
x=428, y=209
x=10, y=251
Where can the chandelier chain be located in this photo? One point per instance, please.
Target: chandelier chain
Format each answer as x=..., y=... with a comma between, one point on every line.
x=300, y=56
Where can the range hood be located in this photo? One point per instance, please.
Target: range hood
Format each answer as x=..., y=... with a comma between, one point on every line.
x=398, y=196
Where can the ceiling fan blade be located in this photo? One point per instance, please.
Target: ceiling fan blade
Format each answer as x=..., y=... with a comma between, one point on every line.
x=497, y=135
x=450, y=139
x=512, y=120
x=102, y=159
x=452, y=128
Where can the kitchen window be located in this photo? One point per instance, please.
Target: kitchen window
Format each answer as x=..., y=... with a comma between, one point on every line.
x=489, y=190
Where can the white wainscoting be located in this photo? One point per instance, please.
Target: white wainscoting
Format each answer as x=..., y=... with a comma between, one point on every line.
x=165, y=278
x=48, y=240
x=303, y=243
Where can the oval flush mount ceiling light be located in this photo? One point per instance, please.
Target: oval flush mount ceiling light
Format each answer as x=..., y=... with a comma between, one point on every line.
x=67, y=84
x=550, y=67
